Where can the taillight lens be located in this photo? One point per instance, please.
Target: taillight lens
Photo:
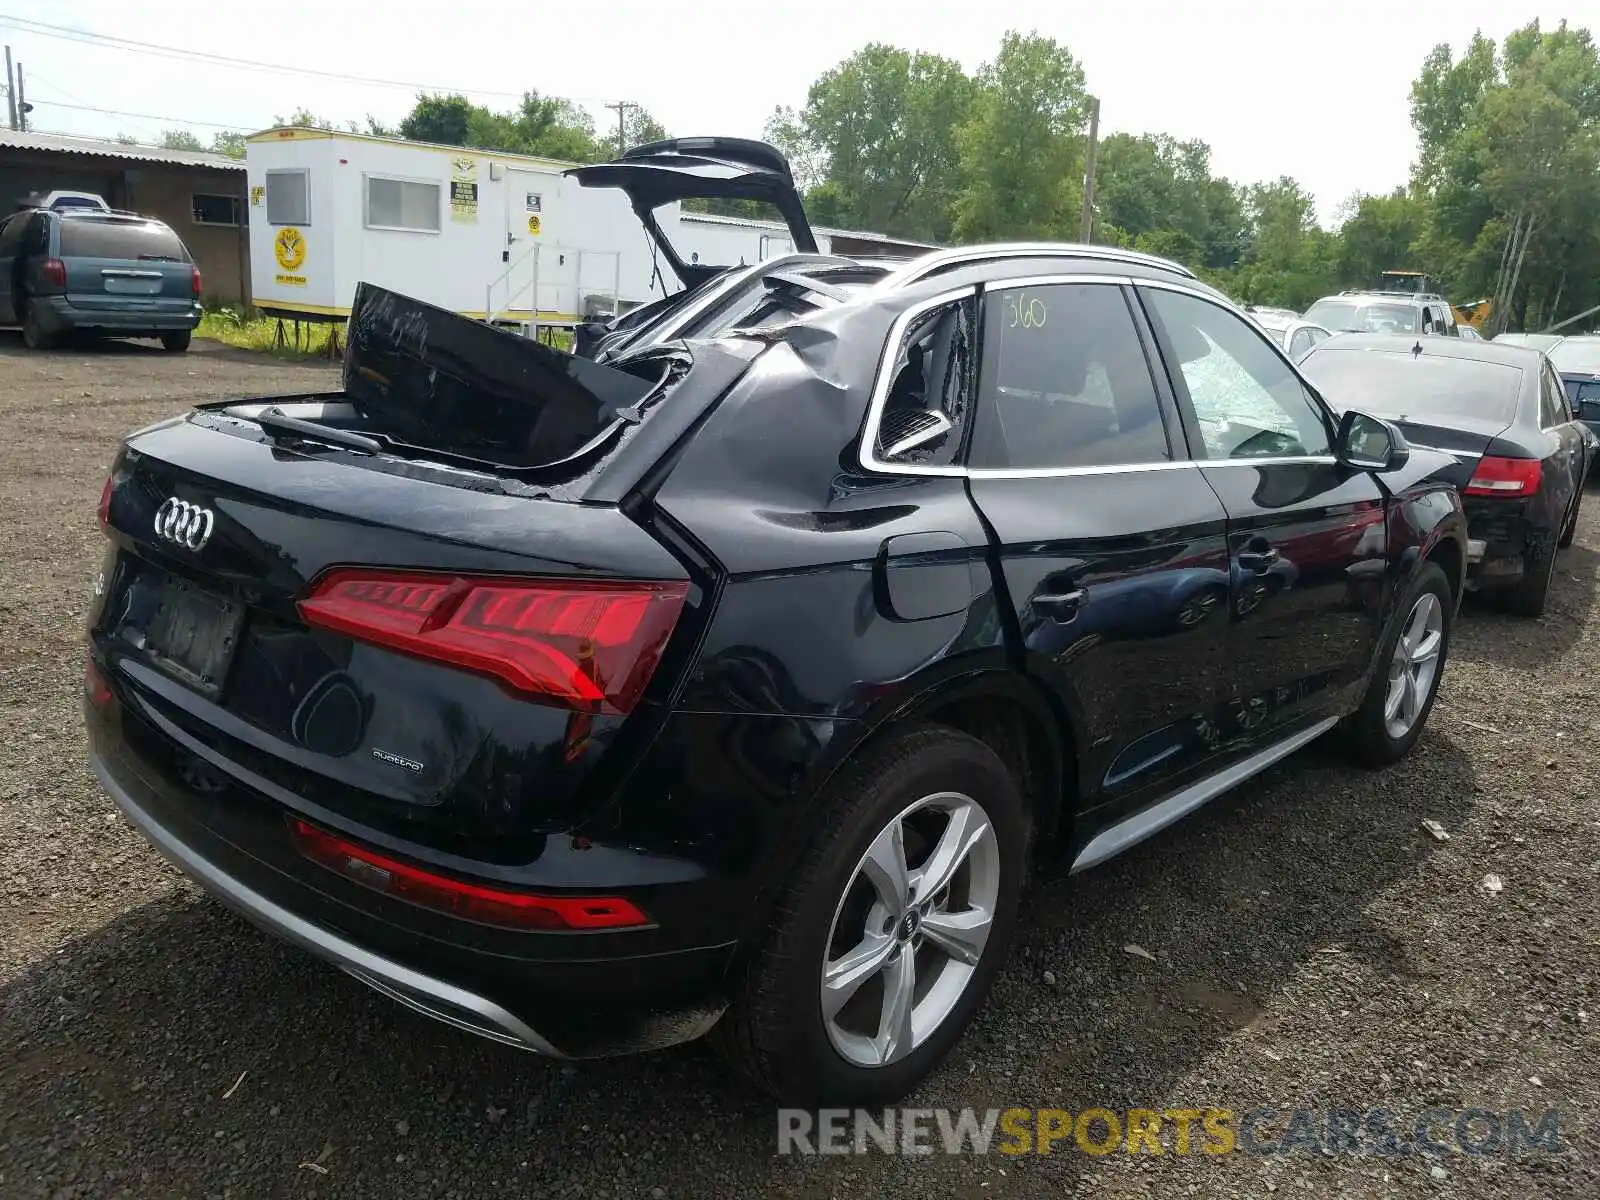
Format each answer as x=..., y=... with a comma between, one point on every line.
x=470, y=901
x=53, y=270
x=95, y=685
x=103, y=513
x=1504, y=477
x=194, y=279
x=586, y=645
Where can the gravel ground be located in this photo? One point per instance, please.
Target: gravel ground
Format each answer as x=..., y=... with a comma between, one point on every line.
x=1311, y=946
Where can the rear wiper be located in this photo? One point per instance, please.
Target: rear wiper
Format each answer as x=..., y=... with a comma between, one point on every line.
x=276, y=420
x=159, y=258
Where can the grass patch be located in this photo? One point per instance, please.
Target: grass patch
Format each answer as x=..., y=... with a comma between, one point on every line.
x=261, y=334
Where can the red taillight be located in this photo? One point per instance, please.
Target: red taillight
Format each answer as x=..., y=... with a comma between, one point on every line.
x=194, y=279
x=470, y=901
x=1504, y=477
x=95, y=685
x=590, y=646
x=54, y=271
x=104, y=511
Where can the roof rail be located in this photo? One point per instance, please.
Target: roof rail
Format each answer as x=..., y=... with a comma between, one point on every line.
x=928, y=264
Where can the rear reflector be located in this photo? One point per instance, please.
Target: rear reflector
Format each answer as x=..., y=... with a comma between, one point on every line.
x=1504, y=477
x=586, y=645
x=95, y=685
x=470, y=901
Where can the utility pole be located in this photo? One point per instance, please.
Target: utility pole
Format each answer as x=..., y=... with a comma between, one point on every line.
x=1086, y=222
x=22, y=102
x=622, y=107
x=11, y=89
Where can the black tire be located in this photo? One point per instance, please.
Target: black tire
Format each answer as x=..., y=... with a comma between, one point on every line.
x=176, y=343
x=1367, y=734
x=1526, y=597
x=1570, y=529
x=775, y=1034
x=34, y=336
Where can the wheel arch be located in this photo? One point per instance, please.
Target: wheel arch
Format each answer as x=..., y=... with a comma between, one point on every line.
x=1011, y=715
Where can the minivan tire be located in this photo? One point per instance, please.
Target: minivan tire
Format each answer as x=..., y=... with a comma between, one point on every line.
x=34, y=336
x=775, y=1033
x=176, y=343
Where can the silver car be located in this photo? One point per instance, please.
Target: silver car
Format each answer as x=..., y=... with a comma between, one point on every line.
x=1289, y=331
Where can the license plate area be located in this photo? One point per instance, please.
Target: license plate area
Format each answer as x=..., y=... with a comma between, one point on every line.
x=182, y=629
x=132, y=285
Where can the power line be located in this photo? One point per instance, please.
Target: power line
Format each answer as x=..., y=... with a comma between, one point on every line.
x=111, y=42
x=117, y=112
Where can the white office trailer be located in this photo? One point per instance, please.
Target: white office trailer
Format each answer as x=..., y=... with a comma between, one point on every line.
x=495, y=236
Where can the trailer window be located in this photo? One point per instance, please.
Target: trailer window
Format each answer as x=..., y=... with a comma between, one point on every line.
x=403, y=204
x=288, y=198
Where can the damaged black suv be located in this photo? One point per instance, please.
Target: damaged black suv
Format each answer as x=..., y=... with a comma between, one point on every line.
x=737, y=683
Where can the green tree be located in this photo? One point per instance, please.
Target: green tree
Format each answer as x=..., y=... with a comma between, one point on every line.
x=180, y=139
x=879, y=128
x=1159, y=195
x=1022, y=148
x=1378, y=234
x=303, y=118
x=231, y=144
x=547, y=126
x=1507, y=166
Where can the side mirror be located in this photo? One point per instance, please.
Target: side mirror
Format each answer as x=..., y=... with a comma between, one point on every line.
x=1369, y=444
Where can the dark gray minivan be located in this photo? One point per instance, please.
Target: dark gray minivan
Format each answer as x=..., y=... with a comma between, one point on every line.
x=100, y=273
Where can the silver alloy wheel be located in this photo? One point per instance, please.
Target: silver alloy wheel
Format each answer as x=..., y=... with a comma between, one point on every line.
x=907, y=936
x=1414, y=668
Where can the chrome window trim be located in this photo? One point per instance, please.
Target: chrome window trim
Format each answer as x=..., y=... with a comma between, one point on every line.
x=919, y=268
x=883, y=380
x=867, y=455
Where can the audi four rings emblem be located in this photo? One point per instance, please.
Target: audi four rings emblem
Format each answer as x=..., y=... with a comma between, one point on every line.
x=187, y=524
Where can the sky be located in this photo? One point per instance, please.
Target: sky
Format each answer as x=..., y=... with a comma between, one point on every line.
x=1315, y=92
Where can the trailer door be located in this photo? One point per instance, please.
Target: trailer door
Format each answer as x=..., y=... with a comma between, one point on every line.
x=524, y=228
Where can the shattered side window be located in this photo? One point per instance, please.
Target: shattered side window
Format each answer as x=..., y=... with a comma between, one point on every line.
x=925, y=413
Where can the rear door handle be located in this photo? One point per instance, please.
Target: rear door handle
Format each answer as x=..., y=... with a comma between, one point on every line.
x=1060, y=606
x=1259, y=561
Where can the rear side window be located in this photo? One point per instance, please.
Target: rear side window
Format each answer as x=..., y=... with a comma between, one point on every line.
x=1064, y=381
x=1553, y=398
x=925, y=413
x=120, y=239
x=288, y=198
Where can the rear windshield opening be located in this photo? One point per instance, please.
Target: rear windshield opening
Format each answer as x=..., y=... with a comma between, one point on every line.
x=1403, y=385
x=120, y=239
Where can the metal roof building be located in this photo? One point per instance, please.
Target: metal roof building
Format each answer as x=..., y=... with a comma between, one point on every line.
x=200, y=194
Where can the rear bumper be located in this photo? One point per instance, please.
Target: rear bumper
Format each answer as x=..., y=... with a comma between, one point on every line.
x=1500, y=539
x=568, y=995
x=435, y=997
x=59, y=314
